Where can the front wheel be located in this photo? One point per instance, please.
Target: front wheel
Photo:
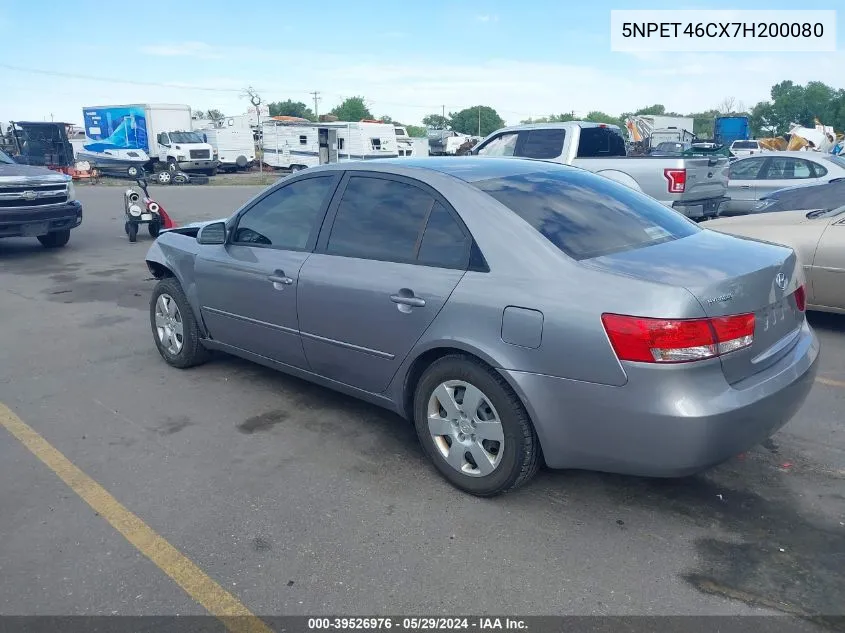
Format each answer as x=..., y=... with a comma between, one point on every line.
x=474, y=427
x=57, y=239
x=164, y=177
x=175, y=330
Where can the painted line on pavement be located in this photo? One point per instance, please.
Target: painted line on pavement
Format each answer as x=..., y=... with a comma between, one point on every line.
x=830, y=382
x=235, y=616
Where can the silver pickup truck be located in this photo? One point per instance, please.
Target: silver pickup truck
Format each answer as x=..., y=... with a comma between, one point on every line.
x=695, y=186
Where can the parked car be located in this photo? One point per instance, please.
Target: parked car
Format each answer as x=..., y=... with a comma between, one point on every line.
x=37, y=202
x=695, y=186
x=828, y=195
x=514, y=310
x=752, y=178
x=746, y=148
x=818, y=237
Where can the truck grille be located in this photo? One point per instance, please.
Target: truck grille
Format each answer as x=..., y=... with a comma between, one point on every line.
x=32, y=195
x=200, y=153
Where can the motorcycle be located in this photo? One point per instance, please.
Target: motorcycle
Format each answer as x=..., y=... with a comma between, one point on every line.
x=142, y=209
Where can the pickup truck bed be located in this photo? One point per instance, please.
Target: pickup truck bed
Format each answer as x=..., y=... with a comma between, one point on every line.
x=695, y=186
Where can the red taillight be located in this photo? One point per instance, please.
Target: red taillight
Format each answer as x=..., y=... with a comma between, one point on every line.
x=648, y=340
x=677, y=179
x=800, y=298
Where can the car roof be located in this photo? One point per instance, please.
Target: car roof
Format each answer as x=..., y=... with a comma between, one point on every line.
x=791, y=153
x=467, y=168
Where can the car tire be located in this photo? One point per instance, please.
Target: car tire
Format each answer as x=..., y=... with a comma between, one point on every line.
x=165, y=177
x=178, y=350
x=57, y=239
x=134, y=171
x=516, y=459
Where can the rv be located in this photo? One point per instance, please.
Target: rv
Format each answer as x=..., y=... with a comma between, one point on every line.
x=234, y=147
x=408, y=146
x=300, y=145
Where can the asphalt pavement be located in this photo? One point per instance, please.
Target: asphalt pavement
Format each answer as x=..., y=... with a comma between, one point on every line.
x=297, y=500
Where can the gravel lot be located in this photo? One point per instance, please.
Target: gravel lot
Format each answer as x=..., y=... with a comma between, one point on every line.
x=301, y=501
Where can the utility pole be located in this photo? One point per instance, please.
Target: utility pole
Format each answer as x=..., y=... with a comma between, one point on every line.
x=255, y=100
x=316, y=99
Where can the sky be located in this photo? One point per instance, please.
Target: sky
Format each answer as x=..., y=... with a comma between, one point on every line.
x=408, y=58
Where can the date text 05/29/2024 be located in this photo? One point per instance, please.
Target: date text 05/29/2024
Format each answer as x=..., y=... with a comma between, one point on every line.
x=482, y=623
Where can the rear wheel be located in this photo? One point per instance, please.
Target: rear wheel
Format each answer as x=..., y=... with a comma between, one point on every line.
x=56, y=239
x=132, y=231
x=154, y=228
x=175, y=330
x=474, y=428
x=134, y=171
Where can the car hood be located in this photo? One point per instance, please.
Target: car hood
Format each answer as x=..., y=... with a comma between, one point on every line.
x=780, y=218
x=17, y=172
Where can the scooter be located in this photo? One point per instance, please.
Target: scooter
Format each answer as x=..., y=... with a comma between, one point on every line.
x=140, y=210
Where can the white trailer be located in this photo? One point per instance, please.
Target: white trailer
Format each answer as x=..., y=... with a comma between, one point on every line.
x=300, y=145
x=234, y=147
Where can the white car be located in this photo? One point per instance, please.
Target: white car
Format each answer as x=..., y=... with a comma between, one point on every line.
x=746, y=148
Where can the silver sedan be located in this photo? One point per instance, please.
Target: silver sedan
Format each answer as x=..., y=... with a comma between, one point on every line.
x=517, y=311
x=751, y=178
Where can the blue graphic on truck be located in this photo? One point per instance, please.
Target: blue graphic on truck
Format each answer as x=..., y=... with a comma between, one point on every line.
x=115, y=128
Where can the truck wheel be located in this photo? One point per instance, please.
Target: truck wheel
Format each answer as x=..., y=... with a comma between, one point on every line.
x=175, y=330
x=474, y=428
x=132, y=231
x=164, y=177
x=54, y=240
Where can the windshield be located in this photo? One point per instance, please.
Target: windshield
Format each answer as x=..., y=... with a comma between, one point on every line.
x=744, y=145
x=5, y=158
x=185, y=137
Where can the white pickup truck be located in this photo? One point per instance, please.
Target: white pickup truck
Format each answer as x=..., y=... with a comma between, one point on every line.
x=693, y=185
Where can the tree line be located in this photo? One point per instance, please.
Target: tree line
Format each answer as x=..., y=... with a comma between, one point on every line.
x=789, y=103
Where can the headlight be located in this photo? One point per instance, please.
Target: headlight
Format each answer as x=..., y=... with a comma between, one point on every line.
x=135, y=210
x=180, y=157
x=71, y=191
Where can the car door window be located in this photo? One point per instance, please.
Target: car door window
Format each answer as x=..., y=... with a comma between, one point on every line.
x=287, y=217
x=746, y=169
x=785, y=168
x=379, y=219
x=502, y=145
x=444, y=242
x=544, y=143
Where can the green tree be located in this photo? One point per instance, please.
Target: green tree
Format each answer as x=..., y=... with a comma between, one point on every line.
x=596, y=116
x=552, y=118
x=214, y=115
x=793, y=103
x=352, y=109
x=291, y=108
x=197, y=113
x=478, y=120
x=415, y=130
x=436, y=121
x=656, y=109
x=388, y=119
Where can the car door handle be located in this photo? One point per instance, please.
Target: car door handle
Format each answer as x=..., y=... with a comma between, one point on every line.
x=745, y=186
x=403, y=300
x=279, y=277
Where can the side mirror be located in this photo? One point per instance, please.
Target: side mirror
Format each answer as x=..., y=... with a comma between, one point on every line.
x=212, y=233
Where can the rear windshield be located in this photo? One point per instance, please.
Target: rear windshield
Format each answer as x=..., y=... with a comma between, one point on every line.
x=586, y=215
x=745, y=145
x=837, y=160
x=601, y=141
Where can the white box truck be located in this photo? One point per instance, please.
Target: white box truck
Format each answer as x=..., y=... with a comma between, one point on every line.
x=162, y=131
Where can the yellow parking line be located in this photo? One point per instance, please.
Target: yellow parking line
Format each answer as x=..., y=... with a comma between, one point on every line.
x=219, y=602
x=830, y=382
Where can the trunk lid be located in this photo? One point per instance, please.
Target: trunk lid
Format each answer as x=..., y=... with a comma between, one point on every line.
x=707, y=177
x=728, y=275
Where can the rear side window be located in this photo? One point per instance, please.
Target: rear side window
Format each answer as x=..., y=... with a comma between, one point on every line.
x=585, y=215
x=745, y=145
x=379, y=219
x=785, y=168
x=444, y=244
x=541, y=143
x=818, y=170
x=600, y=141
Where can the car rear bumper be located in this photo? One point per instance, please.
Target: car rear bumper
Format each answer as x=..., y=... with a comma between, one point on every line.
x=26, y=221
x=666, y=421
x=699, y=209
